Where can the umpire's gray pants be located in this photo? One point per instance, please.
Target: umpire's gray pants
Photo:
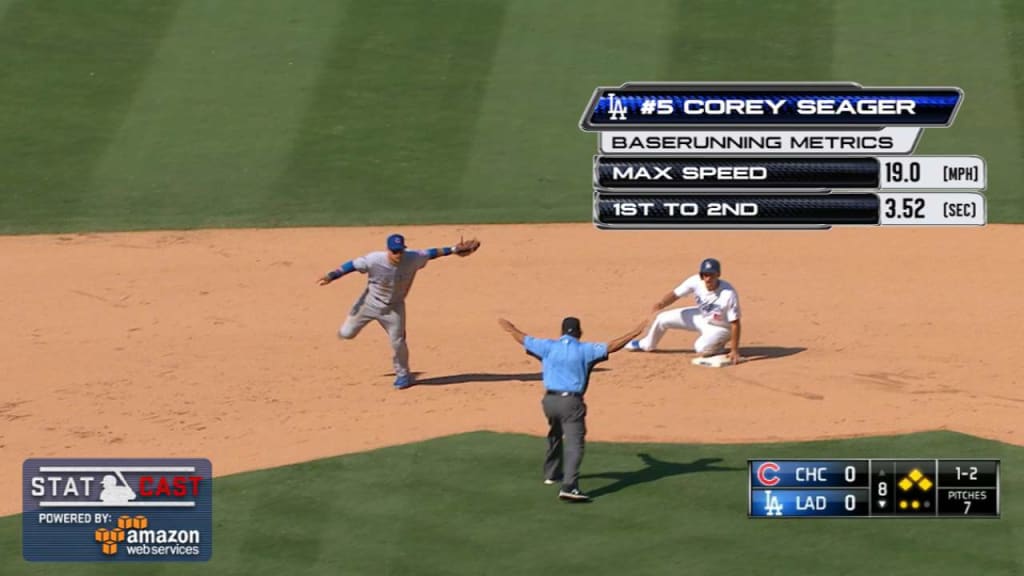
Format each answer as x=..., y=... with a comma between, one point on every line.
x=567, y=430
x=392, y=319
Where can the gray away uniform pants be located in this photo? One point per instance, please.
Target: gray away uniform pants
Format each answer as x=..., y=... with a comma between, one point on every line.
x=392, y=319
x=567, y=429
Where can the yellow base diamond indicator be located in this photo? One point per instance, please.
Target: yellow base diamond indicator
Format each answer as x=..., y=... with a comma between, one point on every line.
x=906, y=484
x=915, y=475
x=925, y=484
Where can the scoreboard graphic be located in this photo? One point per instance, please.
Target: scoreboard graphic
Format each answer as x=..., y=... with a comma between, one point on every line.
x=882, y=488
x=777, y=155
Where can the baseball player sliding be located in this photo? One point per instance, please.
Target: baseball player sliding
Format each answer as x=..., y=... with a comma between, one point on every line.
x=716, y=315
x=389, y=277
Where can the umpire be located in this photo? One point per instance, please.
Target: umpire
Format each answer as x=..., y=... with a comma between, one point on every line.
x=566, y=364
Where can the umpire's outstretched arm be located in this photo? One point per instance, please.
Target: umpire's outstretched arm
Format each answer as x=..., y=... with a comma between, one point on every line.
x=620, y=342
x=613, y=346
x=509, y=327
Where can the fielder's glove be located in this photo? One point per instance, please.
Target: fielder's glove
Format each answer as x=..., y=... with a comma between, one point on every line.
x=466, y=247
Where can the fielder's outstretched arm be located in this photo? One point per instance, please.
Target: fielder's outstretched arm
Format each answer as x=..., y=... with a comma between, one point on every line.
x=359, y=264
x=620, y=342
x=433, y=253
x=509, y=327
x=463, y=248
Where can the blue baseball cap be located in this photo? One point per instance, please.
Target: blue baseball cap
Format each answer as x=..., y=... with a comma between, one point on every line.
x=396, y=242
x=710, y=266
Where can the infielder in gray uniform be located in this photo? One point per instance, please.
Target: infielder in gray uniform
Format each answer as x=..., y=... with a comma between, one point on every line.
x=389, y=277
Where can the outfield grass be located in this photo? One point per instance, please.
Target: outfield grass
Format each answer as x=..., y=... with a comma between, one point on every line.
x=474, y=504
x=190, y=113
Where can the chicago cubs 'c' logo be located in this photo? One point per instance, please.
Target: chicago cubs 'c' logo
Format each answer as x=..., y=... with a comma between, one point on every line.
x=766, y=473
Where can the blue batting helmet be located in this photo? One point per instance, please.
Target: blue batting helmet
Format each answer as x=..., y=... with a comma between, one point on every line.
x=710, y=266
x=396, y=242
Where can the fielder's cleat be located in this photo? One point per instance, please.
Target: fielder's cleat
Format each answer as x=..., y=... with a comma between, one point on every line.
x=634, y=346
x=573, y=495
x=403, y=382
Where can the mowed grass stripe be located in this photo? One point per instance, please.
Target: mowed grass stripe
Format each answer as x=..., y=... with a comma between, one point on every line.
x=4, y=5
x=280, y=544
x=473, y=504
x=960, y=44
x=68, y=72
x=1013, y=19
x=212, y=127
x=739, y=40
x=529, y=160
x=389, y=130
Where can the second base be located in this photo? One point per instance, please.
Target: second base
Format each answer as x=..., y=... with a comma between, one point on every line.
x=714, y=361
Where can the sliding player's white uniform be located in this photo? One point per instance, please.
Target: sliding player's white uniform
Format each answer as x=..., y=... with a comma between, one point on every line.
x=712, y=315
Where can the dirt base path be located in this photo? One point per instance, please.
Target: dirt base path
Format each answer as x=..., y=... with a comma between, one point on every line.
x=218, y=343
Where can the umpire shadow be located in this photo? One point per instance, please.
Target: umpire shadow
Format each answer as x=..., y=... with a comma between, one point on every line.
x=653, y=471
x=471, y=377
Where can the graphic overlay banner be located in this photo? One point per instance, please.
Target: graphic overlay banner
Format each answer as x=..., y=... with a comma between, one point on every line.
x=621, y=173
x=809, y=474
x=117, y=509
x=732, y=142
x=773, y=503
x=876, y=488
x=653, y=173
x=968, y=487
x=774, y=140
x=932, y=209
x=672, y=211
x=932, y=172
x=845, y=104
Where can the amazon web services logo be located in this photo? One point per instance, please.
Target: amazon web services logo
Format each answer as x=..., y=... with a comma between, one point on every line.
x=134, y=537
x=117, y=510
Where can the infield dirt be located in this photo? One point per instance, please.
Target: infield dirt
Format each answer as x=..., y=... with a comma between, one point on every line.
x=219, y=344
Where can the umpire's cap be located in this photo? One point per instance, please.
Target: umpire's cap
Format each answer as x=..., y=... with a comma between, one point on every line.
x=710, y=266
x=571, y=326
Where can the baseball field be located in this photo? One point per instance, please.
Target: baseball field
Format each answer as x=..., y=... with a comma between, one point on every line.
x=176, y=174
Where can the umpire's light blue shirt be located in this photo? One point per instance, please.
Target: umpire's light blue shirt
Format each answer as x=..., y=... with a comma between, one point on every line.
x=566, y=363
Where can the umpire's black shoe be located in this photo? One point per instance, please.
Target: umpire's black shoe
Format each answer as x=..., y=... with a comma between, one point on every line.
x=573, y=495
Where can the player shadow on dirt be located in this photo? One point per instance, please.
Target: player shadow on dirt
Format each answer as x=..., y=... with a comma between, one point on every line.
x=750, y=353
x=653, y=471
x=755, y=353
x=471, y=377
